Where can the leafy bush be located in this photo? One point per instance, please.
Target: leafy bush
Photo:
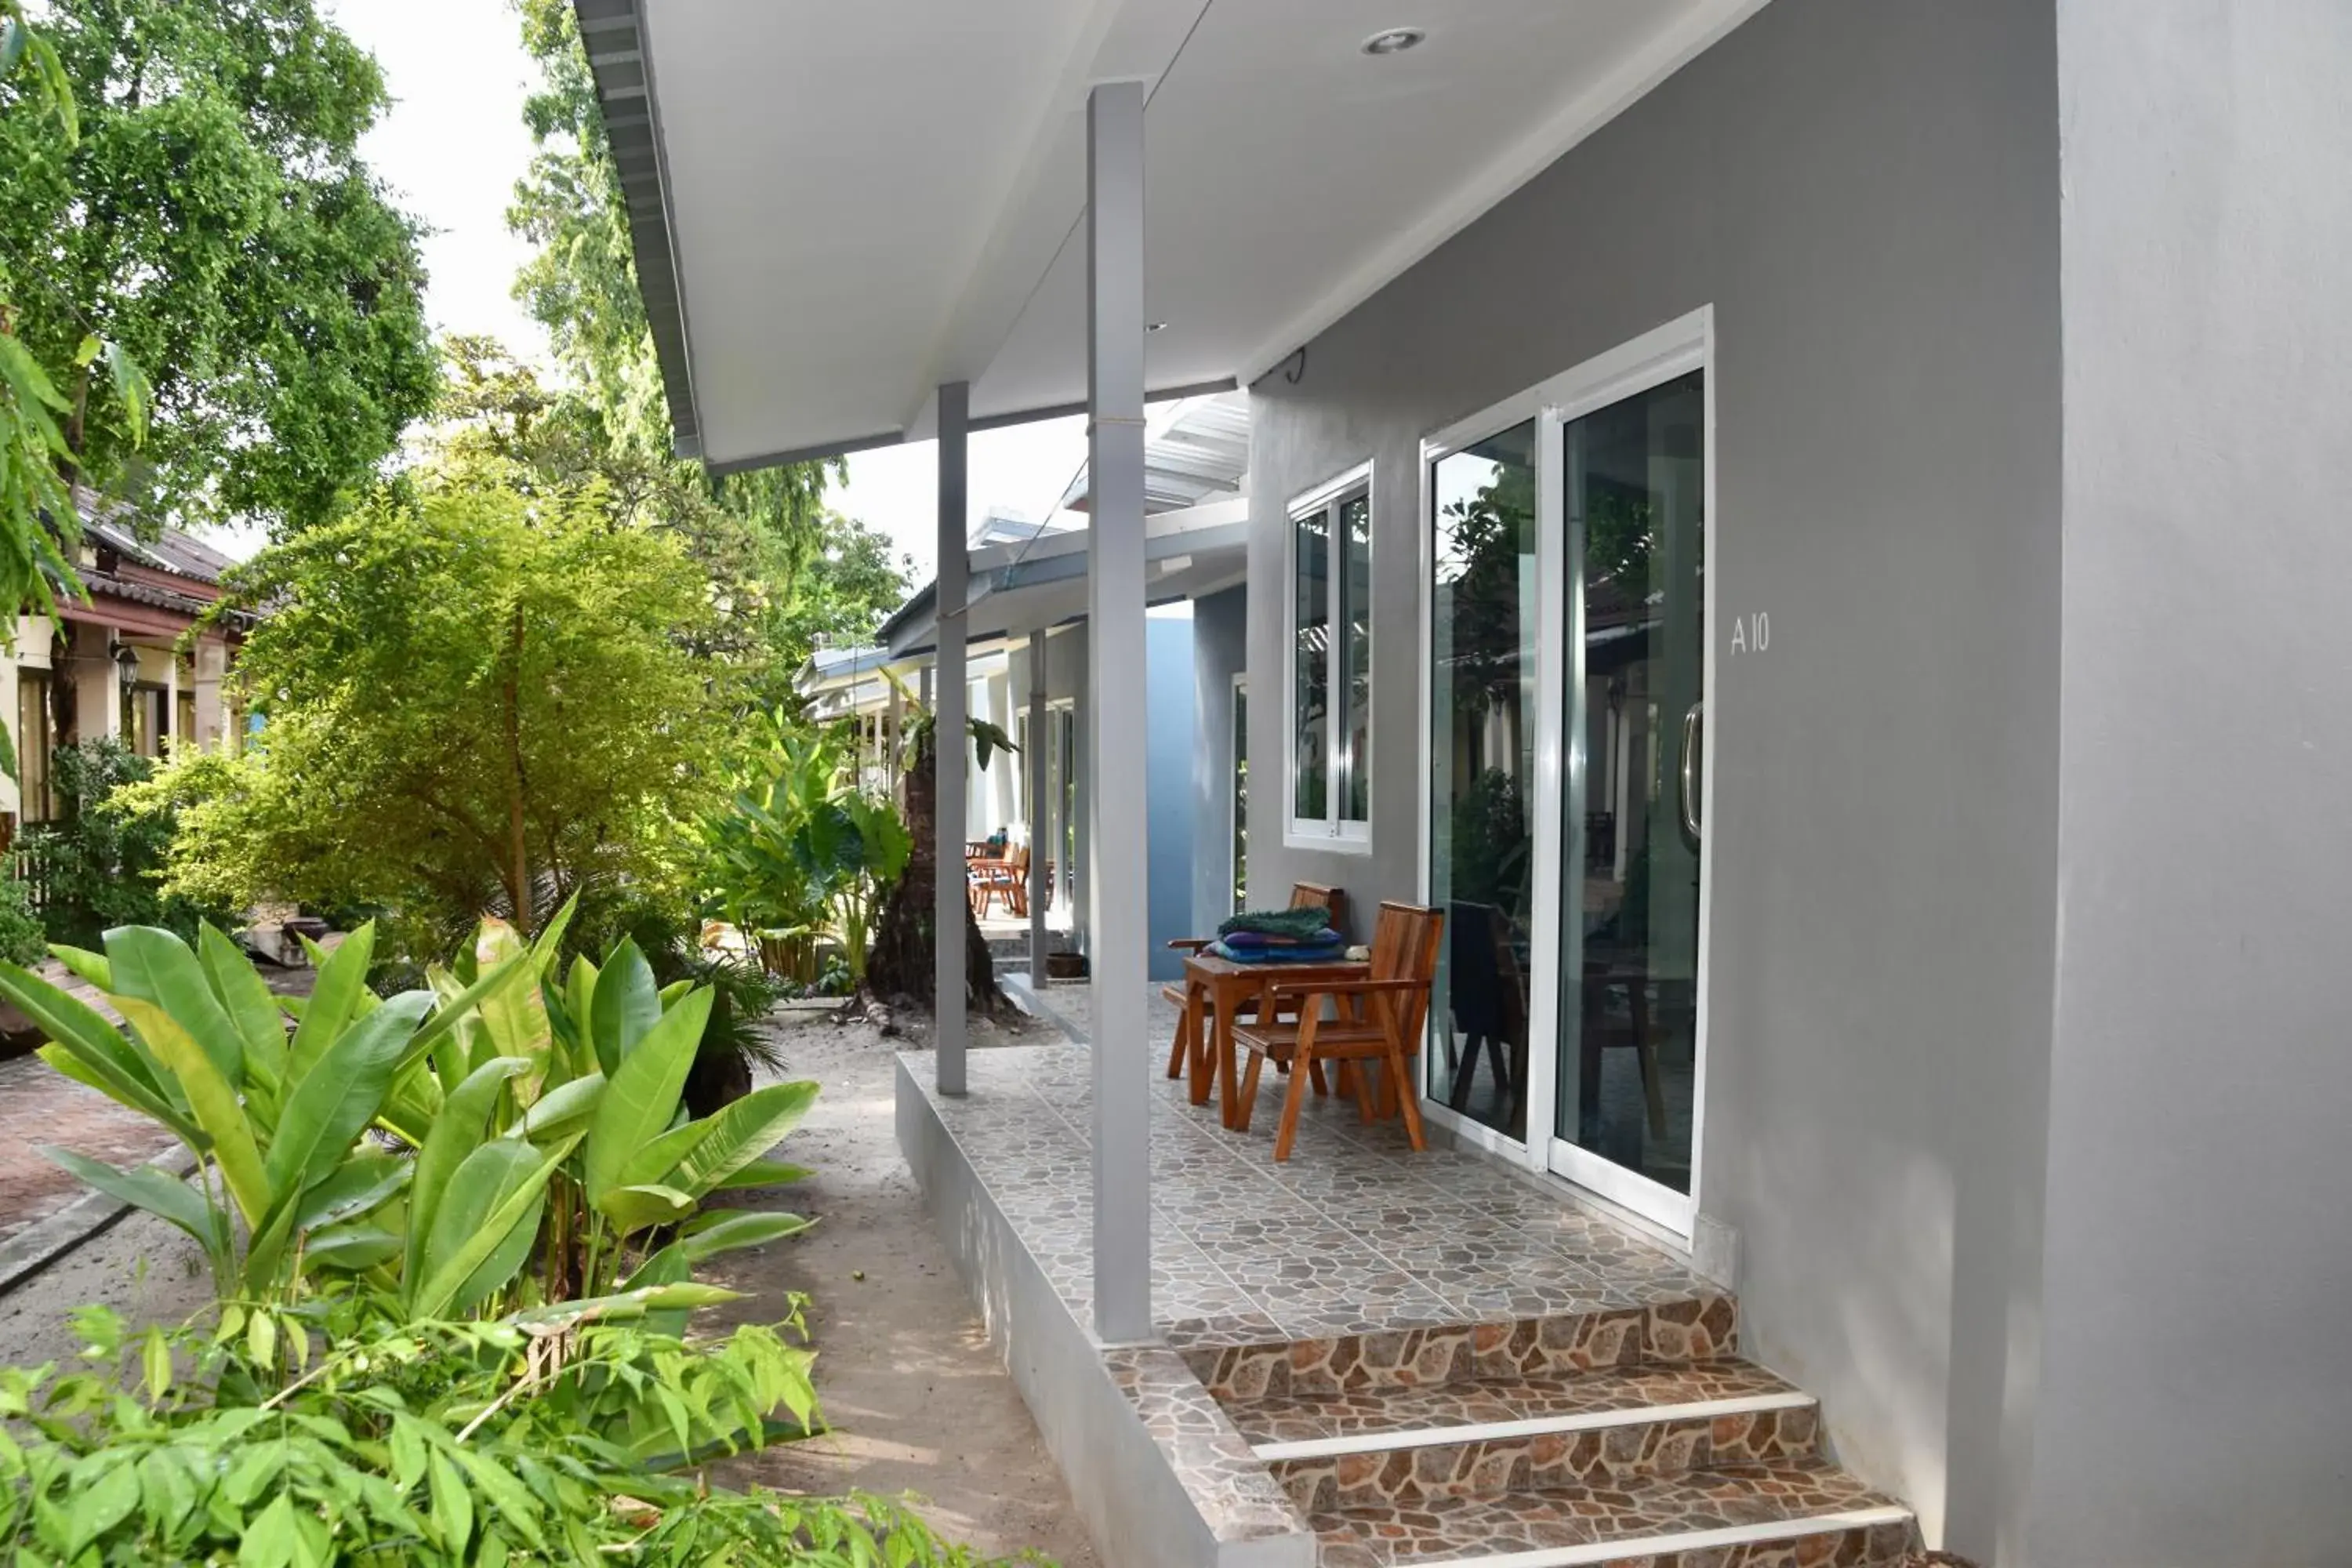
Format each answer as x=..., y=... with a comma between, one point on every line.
x=103, y=865
x=801, y=848
x=544, y=1119
x=22, y=938
x=424, y=1443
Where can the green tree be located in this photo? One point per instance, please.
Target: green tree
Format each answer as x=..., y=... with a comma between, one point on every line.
x=470, y=698
x=840, y=593
x=214, y=218
x=581, y=286
x=38, y=522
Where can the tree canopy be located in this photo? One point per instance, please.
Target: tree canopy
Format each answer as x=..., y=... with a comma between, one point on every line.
x=471, y=699
x=215, y=221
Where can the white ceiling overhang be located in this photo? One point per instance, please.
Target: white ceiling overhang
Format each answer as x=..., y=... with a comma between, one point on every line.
x=840, y=205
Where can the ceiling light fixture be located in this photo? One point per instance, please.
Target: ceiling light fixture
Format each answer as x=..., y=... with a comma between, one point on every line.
x=1155, y=326
x=1394, y=41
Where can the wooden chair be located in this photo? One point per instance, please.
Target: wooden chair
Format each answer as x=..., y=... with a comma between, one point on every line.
x=1303, y=896
x=1381, y=1022
x=1002, y=879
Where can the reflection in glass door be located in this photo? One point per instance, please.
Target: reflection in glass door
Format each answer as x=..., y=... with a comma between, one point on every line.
x=1633, y=478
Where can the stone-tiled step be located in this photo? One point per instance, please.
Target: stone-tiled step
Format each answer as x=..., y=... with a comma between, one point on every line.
x=1409, y=1446
x=1697, y=1326
x=1788, y=1514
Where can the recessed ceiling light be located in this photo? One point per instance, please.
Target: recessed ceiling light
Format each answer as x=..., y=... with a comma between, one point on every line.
x=1155, y=326
x=1394, y=41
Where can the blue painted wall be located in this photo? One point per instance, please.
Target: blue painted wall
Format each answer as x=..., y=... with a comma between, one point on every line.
x=1168, y=802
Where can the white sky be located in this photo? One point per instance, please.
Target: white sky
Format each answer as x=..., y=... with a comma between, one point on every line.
x=452, y=147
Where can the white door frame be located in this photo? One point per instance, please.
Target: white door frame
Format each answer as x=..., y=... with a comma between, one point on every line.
x=1676, y=349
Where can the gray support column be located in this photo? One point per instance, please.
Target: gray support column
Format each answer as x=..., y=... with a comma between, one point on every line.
x=1040, y=843
x=950, y=748
x=1115, y=647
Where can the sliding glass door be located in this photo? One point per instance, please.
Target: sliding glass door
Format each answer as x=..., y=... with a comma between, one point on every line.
x=1566, y=827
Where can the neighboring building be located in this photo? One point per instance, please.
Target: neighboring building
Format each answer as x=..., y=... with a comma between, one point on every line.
x=115, y=665
x=1739, y=495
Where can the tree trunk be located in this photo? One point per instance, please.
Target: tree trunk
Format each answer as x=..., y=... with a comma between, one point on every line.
x=901, y=963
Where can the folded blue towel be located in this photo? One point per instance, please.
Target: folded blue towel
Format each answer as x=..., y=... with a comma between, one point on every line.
x=1321, y=952
x=1255, y=941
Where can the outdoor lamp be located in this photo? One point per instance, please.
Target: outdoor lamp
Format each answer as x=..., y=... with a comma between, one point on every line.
x=126, y=666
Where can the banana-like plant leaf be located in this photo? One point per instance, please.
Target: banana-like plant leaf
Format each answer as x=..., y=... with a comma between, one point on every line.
x=561, y=1111
x=764, y=1173
x=664, y=1269
x=627, y=1003
x=341, y=981
x=732, y=1231
x=340, y=1095
x=246, y=997
x=657, y=1159
x=445, y=1017
x=579, y=1004
x=495, y=1194
x=145, y=1187
x=357, y=1185
x=456, y=1133
x=211, y=1100
x=514, y=1019
x=684, y=1295
x=744, y=1132
x=102, y=1058
x=84, y=965
x=641, y=1097
x=633, y=1209
x=154, y=966
x=351, y=1248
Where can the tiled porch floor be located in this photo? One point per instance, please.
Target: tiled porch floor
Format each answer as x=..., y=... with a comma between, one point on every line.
x=1355, y=1234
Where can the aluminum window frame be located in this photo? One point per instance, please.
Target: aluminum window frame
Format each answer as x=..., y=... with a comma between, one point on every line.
x=1331, y=831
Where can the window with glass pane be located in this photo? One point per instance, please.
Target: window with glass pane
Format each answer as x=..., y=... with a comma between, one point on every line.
x=1331, y=668
x=1482, y=757
x=1311, y=689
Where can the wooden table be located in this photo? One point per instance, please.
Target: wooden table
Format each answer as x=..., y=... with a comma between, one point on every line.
x=1212, y=983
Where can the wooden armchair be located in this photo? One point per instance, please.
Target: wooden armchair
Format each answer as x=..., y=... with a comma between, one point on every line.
x=1378, y=1018
x=1002, y=879
x=1303, y=896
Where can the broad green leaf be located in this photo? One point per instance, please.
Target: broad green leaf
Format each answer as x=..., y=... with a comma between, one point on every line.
x=633, y=1209
x=764, y=1173
x=211, y=1100
x=352, y=1247
x=734, y=1231
x=341, y=981
x=445, y=1017
x=744, y=1132
x=158, y=1192
x=627, y=1003
x=360, y=1184
x=657, y=1159
x=641, y=1097
x=131, y=389
x=85, y=965
x=339, y=1095
x=514, y=1019
x=122, y=1091
x=561, y=1111
x=119, y=1068
x=456, y=1133
x=154, y=966
x=580, y=998
x=246, y=997
x=499, y=1189
x=682, y=1296
x=453, y=1506
x=671, y=993
x=101, y=1504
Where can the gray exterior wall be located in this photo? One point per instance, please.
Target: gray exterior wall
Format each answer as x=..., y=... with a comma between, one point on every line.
x=1220, y=652
x=2194, y=1371
x=1866, y=191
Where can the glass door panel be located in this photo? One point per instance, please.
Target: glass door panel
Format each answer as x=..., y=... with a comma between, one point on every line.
x=1633, y=483
x=1483, y=629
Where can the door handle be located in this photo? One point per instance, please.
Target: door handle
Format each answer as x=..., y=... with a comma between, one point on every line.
x=1693, y=720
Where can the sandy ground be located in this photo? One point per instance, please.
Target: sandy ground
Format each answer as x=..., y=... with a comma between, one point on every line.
x=920, y=1402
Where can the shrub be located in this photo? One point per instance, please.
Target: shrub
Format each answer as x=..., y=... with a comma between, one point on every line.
x=22, y=938
x=103, y=865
